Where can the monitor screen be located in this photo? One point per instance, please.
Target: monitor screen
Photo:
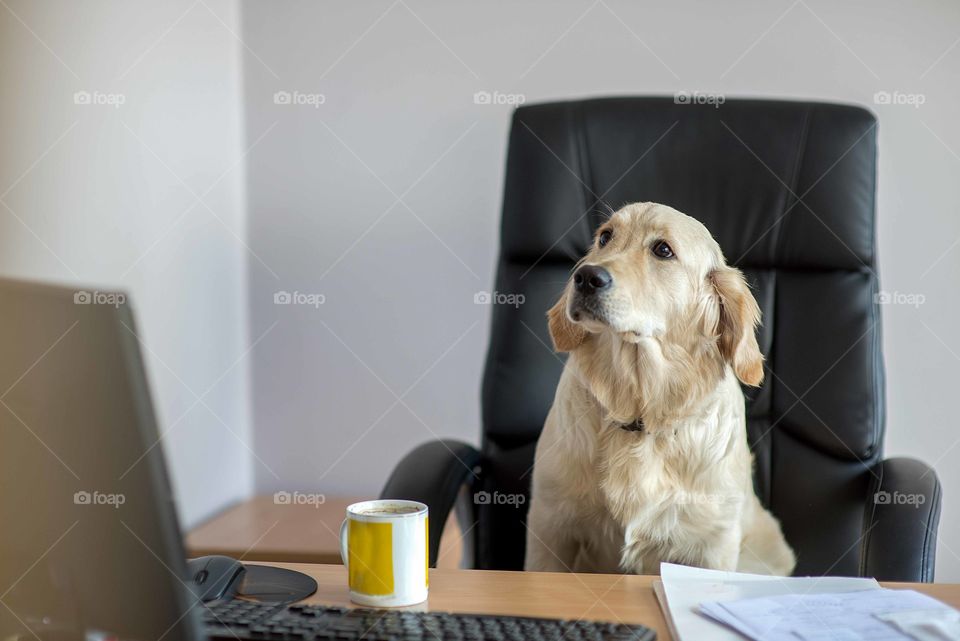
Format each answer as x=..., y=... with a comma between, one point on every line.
x=89, y=547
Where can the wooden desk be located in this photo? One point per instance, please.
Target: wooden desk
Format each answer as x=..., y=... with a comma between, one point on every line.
x=609, y=597
x=261, y=529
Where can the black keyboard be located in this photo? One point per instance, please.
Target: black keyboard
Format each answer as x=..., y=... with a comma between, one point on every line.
x=250, y=621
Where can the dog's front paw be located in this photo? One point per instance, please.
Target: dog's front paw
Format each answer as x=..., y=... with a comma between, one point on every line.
x=636, y=557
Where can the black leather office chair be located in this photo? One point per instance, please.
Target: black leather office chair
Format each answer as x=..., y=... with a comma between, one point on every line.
x=788, y=190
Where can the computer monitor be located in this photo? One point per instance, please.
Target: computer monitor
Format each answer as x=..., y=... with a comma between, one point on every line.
x=90, y=547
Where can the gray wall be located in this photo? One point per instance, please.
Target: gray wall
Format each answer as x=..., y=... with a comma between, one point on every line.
x=399, y=120
x=105, y=194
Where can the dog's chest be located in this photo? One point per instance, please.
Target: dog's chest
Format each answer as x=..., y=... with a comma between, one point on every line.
x=664, y=484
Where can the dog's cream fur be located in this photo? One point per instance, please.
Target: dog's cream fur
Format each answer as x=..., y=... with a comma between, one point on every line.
x=666, y=342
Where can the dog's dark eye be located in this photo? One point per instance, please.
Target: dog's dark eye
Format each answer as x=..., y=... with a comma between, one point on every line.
x=604, y=237
x=662, y=250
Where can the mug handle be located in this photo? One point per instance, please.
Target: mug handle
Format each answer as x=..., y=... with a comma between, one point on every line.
x=344, y=555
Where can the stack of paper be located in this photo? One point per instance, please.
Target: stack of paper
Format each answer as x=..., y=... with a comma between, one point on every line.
x=682, y=589
x=709, y=604
x=815, y=617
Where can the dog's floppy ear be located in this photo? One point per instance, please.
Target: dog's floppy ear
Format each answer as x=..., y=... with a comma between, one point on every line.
x=737, y=323
x=566, y=334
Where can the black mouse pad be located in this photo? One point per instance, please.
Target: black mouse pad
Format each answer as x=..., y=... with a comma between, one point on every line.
x=275, y=585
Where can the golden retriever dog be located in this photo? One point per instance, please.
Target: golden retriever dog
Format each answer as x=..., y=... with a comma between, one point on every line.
x=644, y=455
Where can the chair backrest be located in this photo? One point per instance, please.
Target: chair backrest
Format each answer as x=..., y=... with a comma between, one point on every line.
x=788, y=190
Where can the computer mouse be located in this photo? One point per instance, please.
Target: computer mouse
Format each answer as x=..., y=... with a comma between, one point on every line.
x=214, y=577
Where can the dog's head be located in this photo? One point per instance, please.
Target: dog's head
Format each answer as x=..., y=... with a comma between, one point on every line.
x=654, y=273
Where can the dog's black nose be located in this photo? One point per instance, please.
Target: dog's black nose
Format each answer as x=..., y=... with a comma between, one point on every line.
x=590, y=279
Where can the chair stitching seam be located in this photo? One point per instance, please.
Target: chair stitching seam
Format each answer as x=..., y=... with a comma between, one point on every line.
x=875, y=485
x=794, y=179
x=587, y=187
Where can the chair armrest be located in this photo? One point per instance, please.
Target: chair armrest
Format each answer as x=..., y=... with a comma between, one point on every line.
x=433, y=473
x=900, y=522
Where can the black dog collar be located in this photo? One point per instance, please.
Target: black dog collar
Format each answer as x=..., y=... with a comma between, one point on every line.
x=636, y=426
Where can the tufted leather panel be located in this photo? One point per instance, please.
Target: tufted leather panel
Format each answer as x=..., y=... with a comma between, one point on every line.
x=787, y=188
x=739, y=168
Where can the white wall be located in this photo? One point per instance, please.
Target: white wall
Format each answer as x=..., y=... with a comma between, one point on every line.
x=398, y=78
x=97, y=195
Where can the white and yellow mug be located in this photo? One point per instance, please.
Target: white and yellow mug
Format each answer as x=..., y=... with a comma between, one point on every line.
x=386, y=548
